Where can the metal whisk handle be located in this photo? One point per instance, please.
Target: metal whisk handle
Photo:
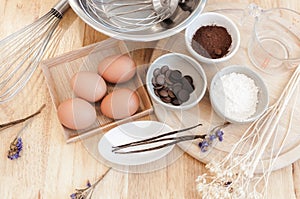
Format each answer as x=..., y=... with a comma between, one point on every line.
x=61, y=7
x=22, y=51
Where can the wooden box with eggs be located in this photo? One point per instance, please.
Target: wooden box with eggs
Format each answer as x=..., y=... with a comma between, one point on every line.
x=92, y=93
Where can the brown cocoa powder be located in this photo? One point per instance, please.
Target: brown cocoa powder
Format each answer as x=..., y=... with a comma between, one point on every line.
x=212, y=41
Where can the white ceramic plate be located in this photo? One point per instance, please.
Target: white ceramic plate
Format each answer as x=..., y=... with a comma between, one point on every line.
x=130, y=132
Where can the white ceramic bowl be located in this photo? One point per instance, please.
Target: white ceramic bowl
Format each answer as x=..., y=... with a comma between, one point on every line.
x=187, y=66
x=217, y=97
x=211, y=18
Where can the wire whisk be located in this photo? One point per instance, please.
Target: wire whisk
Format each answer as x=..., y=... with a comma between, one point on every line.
x=22, y=51
x=130, y=15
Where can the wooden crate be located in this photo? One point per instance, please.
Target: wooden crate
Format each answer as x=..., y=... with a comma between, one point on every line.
x=58, y=72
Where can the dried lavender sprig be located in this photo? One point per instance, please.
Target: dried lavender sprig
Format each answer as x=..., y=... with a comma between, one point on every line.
x=16, y=145
x=214, y=133
x=87, y=192
x=15, y=148
x=12, y=123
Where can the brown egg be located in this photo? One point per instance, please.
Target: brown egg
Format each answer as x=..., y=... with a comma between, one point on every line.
x=120, y=104
x=88, y=85
x=76, y=113
x=117, y=68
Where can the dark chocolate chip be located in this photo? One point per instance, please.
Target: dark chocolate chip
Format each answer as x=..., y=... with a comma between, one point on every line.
x=158, y=87
x=175, y=75
x=183, y=95
x=168, y=73
x=188, y=78
x=160, y=80
x=176, y=88
x=164, y=69
x=156, y=93
x=175, y=102
x=171, y=94
x=166, y=99
x=156, y=72
x=168, y=81
x=163, y=93
x=187, y=86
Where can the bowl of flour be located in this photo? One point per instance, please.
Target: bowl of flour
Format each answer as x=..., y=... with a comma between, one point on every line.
x=238, y=94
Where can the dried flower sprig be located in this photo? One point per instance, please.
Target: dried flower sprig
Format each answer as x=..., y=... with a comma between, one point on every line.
x=213, y=134
x=15, y=148
x=83, y=193
x=16, y=145
x=233, y=177
x=12, y=123
x=86, y=193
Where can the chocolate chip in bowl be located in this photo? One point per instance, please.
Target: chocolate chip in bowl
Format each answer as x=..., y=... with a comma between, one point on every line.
x=212, y=38
x=170, y=86
x=176, y=81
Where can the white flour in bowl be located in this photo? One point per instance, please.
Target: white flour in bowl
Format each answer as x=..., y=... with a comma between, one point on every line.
x=240, y=95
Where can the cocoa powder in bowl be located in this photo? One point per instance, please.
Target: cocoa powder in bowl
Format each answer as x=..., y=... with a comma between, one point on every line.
x=212, y=41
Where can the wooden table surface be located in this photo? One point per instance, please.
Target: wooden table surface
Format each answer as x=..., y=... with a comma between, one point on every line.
x=50, y=168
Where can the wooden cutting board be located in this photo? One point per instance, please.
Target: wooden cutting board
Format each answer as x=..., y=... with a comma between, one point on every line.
x=204, y=114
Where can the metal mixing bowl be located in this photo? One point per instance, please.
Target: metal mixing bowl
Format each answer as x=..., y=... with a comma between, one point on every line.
x=182, y=17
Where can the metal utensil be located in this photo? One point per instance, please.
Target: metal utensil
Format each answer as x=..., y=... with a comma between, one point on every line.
x=131, y=15
x=185, y=12
x=21, y=52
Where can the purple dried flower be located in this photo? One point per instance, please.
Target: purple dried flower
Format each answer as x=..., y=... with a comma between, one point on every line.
x=73, y=195
x=80, y=194
x=216, y=132
x=212, y=137
x=203, y=145
x=15, y=148
x=88, y=184
x=87, y=192
x=220, y=134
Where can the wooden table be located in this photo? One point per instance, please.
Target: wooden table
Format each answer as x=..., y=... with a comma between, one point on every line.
x=50, y=168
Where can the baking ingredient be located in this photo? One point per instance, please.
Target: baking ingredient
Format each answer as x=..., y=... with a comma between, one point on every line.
x=117, y=68
x=171, y=87
x=88, y=85
x=240, y=95
x=212, y=41
x=76, y=113
x=120, y=103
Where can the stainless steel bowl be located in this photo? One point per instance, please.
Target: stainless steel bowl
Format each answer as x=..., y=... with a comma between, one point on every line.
x=182, y=17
